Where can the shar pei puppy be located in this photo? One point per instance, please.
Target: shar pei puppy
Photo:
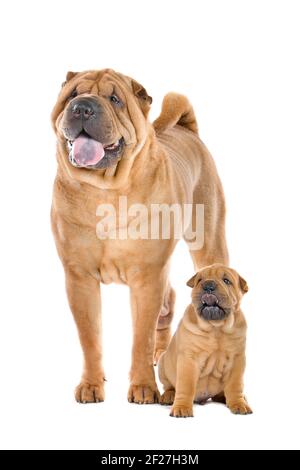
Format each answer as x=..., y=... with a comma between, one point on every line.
x=206, y=357
x=108, y=150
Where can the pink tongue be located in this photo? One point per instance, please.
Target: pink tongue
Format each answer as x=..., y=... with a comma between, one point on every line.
x=87, y=151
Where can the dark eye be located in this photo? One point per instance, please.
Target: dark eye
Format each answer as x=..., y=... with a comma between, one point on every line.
x=114, y=99
x=227, y=281
x=73, y=94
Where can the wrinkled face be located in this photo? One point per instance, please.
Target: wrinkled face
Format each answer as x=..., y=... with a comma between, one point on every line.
x=217, y=292
x=98, y=114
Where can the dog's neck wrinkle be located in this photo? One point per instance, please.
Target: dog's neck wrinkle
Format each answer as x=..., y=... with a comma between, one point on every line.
x=141, y=162
x=193, y=323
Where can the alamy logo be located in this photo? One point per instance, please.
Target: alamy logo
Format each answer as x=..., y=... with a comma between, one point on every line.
x=154, y=221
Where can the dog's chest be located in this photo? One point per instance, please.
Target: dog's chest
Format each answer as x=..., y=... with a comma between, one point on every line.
x=97, y=237
x=217, y=365
x=125, y=260
x=213, y=373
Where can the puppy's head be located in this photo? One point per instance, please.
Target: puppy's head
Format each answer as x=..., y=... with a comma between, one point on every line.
x=217, y=292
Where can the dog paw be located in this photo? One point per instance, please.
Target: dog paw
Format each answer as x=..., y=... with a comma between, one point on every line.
x=180, y=411
x=143, y=394
x=240, y=407
x=167, y=397
x=89, y=393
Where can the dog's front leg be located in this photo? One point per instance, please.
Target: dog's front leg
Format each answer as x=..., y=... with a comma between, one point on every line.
x=146, y=302
x=84, y=298
x=187, y=376
x=234, y=394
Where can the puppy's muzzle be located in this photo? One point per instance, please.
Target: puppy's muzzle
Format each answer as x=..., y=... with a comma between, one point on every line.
x=210, y=308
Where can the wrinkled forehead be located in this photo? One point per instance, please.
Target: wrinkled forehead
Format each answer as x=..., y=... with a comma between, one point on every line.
x=217, y=271
x=99, y=82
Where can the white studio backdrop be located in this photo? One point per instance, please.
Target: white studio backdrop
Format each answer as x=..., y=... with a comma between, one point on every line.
x=238, y=62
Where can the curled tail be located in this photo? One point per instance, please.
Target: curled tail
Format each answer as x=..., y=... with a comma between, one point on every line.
x=176, y=110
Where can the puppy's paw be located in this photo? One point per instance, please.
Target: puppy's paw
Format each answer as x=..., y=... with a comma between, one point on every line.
x=89, y=393
x=240, y=407
x=181, y=411
x=143, y=394
x=167, y=397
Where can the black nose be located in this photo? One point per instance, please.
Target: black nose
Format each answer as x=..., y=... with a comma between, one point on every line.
x=209, y=286
x=83, y=109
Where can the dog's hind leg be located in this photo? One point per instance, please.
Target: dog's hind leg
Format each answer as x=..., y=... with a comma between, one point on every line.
x=167, y=398
x=163, y=328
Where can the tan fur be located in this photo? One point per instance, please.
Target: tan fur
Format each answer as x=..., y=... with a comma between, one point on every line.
x=176, y=110
x=170, y=166
x=206, y=359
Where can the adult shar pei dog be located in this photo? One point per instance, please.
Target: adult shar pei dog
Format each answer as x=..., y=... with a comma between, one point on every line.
x=107, y=148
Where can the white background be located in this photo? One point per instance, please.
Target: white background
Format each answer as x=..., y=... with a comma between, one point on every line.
x=238, y=62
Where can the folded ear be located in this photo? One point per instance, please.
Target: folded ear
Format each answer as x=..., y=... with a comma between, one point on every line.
x=243, y=285
x=141, y=93
x=69, y=76
x=192, y=282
